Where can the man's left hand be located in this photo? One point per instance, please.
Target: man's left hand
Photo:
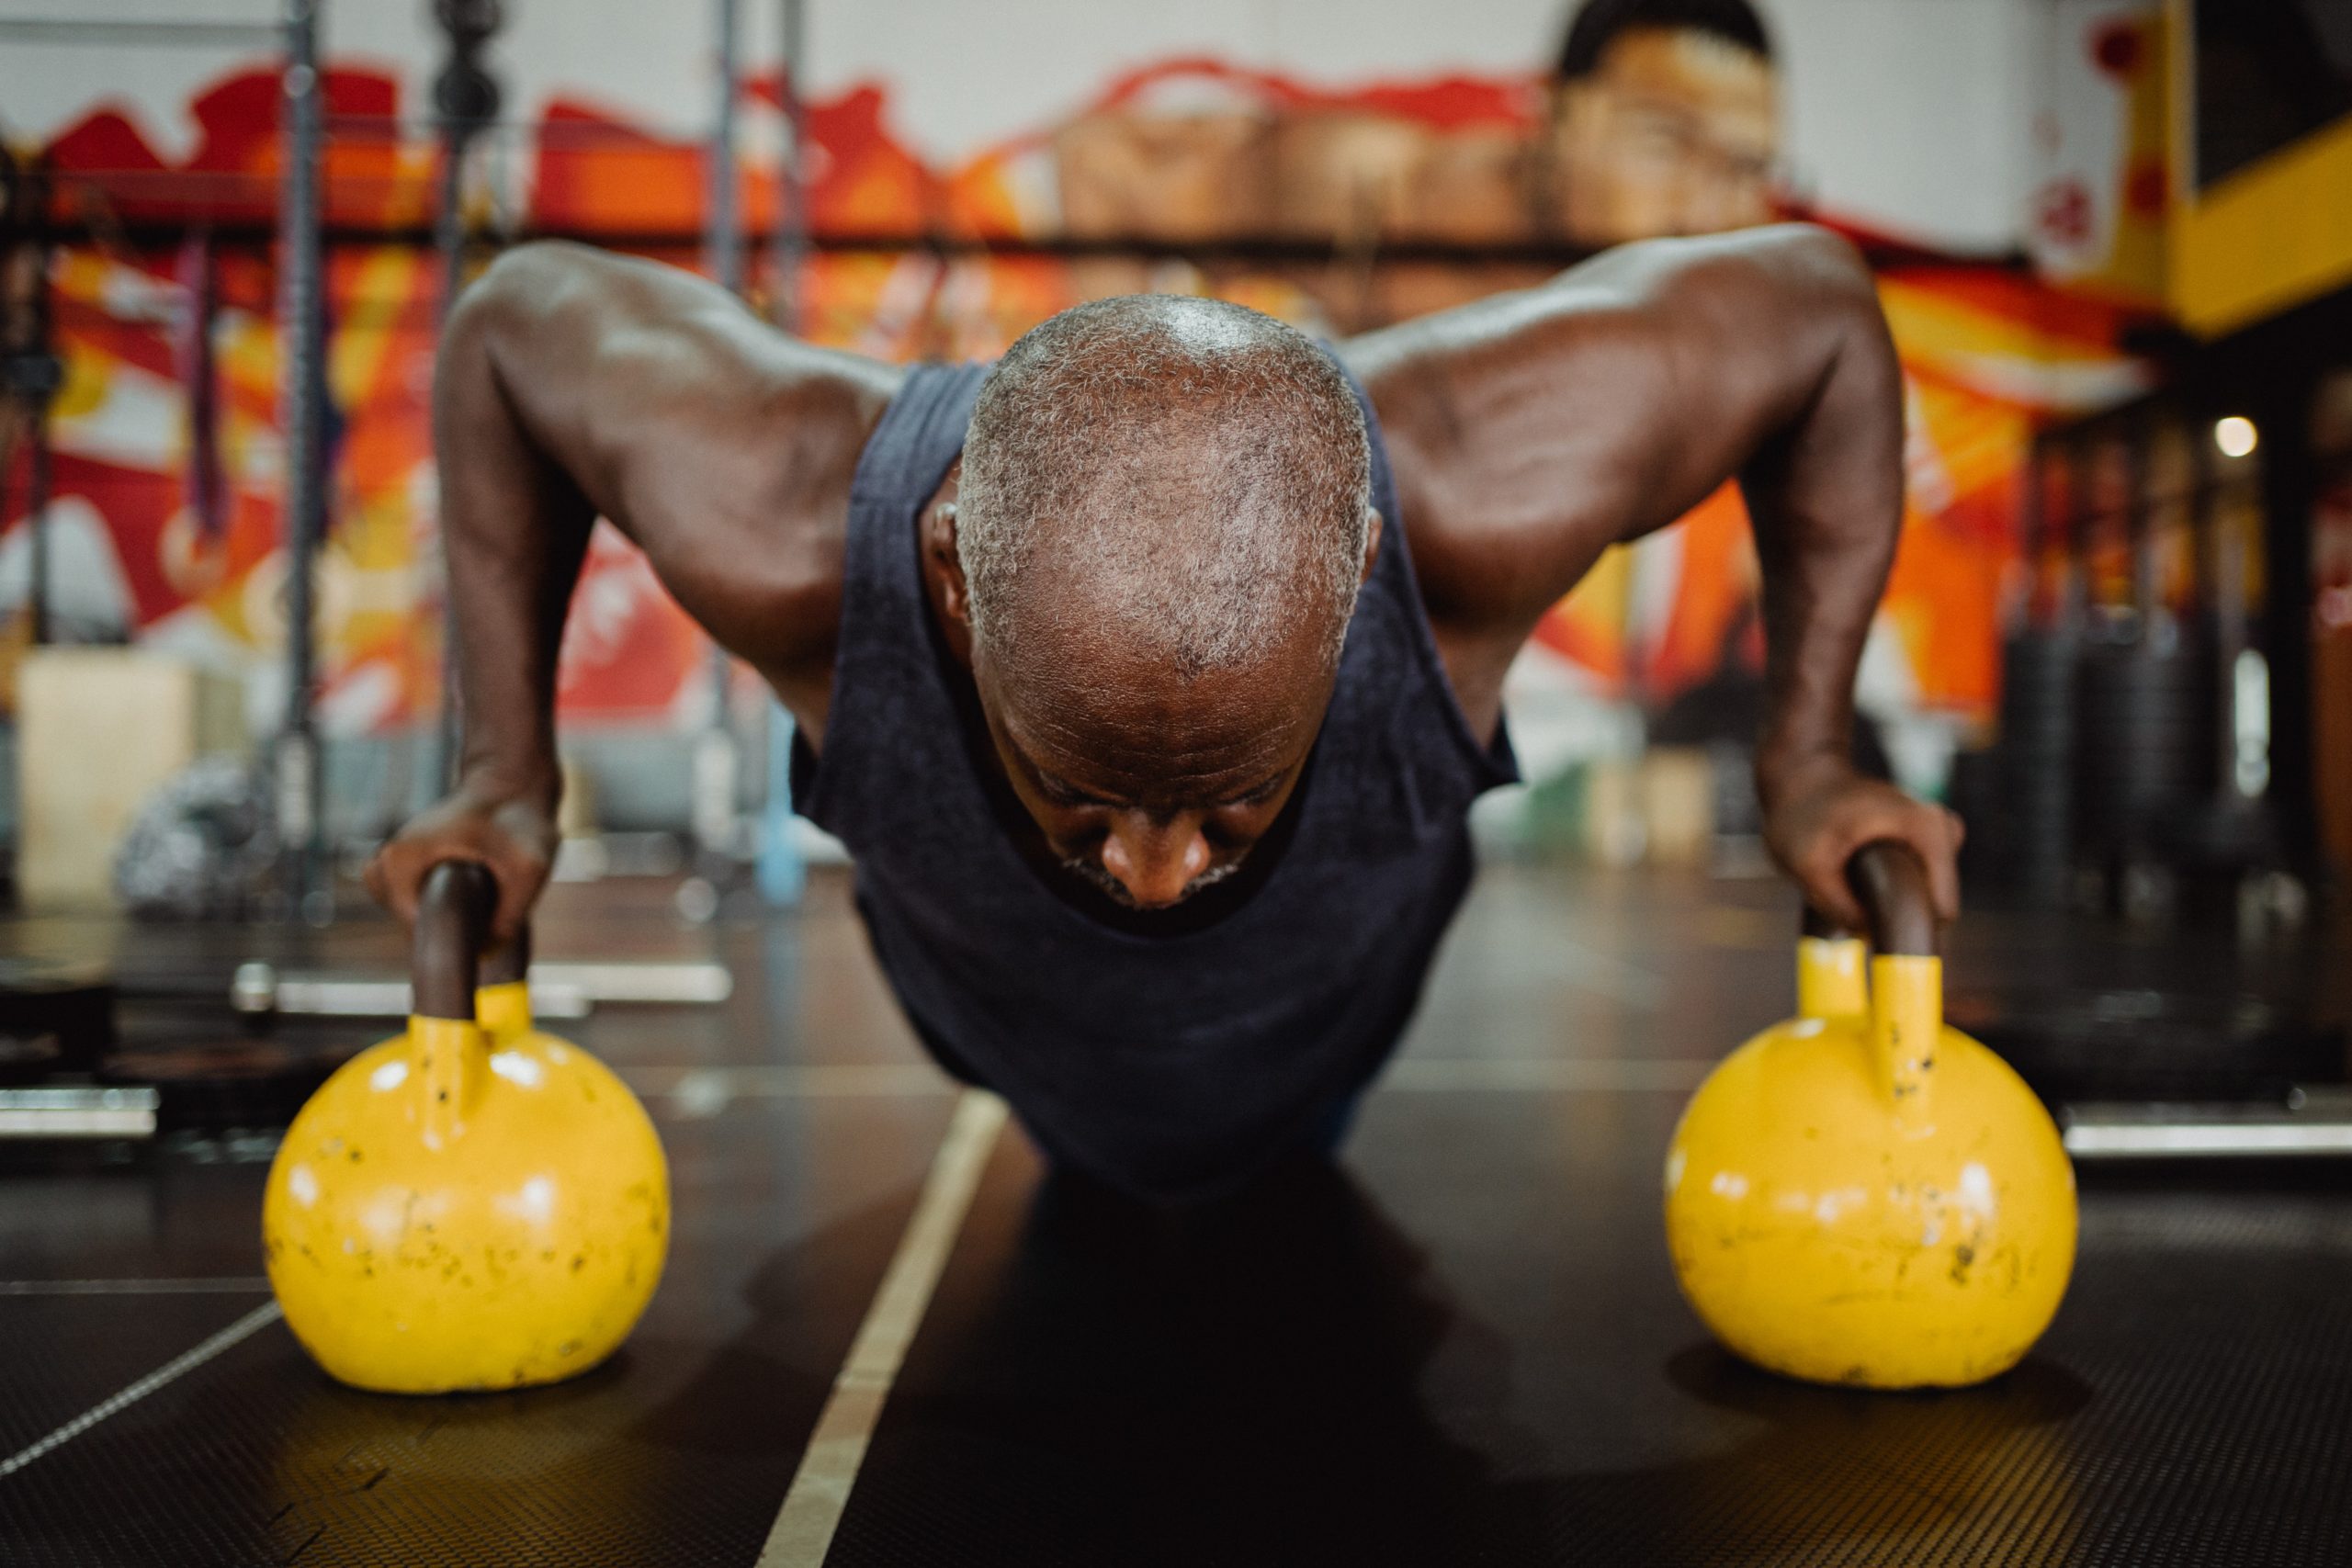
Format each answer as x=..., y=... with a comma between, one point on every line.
x=1815, y=819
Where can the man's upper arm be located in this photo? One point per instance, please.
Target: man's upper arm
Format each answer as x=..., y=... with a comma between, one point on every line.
x=723, y=448
x=1532, y=430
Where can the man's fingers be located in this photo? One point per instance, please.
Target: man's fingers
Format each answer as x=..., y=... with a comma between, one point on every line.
x=1824, y=884
x=1933, y=835
x=1839, y=906
x=1943, y=882
x=513, y=906
x=1943, y=867
x=1816, y=846
x=1929, y=832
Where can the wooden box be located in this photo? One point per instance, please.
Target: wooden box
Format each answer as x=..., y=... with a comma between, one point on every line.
x=98, y=731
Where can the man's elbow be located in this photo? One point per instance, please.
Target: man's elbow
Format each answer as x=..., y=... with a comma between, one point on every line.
x=525, y=283
x=1821, y=262
x=1831, y=286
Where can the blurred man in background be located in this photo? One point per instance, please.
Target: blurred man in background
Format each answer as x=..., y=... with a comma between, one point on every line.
x=1665, y=120
x=1661, y=118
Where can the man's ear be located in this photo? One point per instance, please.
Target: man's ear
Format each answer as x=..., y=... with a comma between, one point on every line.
x=1371, y=544
x=944, y=567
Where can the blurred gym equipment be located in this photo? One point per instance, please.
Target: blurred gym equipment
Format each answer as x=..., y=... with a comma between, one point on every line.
x=2131, y=777
x=304, y=886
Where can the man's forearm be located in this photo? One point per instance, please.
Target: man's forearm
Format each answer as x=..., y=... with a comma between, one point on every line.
x=1826, y=498
x=515, y=528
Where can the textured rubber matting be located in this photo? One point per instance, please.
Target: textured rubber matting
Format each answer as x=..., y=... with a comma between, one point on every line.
x=1465, y=1349
x=677, y=1452
x=1299, y=1382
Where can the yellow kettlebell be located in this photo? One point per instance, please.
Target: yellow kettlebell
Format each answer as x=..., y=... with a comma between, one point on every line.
x=1862, y=1195
x=471, y=1204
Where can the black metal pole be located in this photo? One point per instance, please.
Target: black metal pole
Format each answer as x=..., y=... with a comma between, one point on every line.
x=32, y=370
x=301, y=327
x=2033, y=534
x=37, y=496
x=2219, y=549
x=724, y=239
x=2139, y=525
x=717, y=758
x=438, y=751
x=792, y=173
x=464, y=99
x=2283, y=395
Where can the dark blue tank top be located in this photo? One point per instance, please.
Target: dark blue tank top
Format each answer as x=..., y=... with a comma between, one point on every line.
x=1173, y=1065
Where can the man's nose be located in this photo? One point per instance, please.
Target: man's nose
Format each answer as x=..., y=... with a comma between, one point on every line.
x=1155, y=861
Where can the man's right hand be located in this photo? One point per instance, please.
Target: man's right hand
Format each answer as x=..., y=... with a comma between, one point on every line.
x=513, y=836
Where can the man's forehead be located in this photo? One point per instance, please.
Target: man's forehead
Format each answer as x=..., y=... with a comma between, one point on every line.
x=1162, y=732
x=1689, y=64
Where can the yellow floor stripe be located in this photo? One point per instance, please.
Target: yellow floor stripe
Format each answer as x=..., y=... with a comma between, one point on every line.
x=812, y=1509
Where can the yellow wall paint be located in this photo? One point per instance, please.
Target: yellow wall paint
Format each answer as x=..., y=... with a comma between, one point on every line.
x=2271, y=235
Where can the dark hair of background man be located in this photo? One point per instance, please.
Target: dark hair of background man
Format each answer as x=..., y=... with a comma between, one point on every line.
x=1599, y=23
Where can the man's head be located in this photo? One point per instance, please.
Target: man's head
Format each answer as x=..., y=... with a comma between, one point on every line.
x=1663, y=121
x=1161, y=521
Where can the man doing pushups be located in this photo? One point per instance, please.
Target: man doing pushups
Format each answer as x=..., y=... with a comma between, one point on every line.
x=1149, y=674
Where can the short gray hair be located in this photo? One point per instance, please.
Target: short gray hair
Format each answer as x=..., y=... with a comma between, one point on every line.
x=1191, y=473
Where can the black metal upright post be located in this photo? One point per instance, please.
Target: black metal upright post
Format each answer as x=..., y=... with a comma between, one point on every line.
x=792, y=173
x=465, y=101
x=2282, y=413
x=32, y=371
x=717, y=758
x=39, y=485
x=723, y=239
x=301, y=328
x=782, y=874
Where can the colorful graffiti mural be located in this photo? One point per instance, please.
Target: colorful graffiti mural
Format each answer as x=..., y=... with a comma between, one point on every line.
x=1186, y=153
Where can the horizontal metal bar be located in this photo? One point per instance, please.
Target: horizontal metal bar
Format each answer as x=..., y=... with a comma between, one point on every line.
x=341, y=999
x=78, y=1096
x=252, y=229
x=222, y=1285
x=50, y=1113
x=559, y=990
x=349, y=996
x=2209, y=1141
x=75, y=30
x=2311, y=1123
x=77, y=1124
x=690, y=981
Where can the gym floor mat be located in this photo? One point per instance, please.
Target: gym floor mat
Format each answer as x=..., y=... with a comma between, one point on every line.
x=1462, y=1346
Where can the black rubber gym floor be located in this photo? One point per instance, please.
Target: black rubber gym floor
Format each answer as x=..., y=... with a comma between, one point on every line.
x=1463, y=1345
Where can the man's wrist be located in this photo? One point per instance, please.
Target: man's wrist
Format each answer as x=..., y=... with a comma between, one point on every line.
x=1782, y=772
x=537, y=785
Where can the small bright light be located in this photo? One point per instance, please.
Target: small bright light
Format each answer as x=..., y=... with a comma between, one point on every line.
x=2235, y=435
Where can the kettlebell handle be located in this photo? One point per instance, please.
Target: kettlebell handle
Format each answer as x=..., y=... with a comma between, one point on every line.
x=453, y=915
x=1890, y=882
